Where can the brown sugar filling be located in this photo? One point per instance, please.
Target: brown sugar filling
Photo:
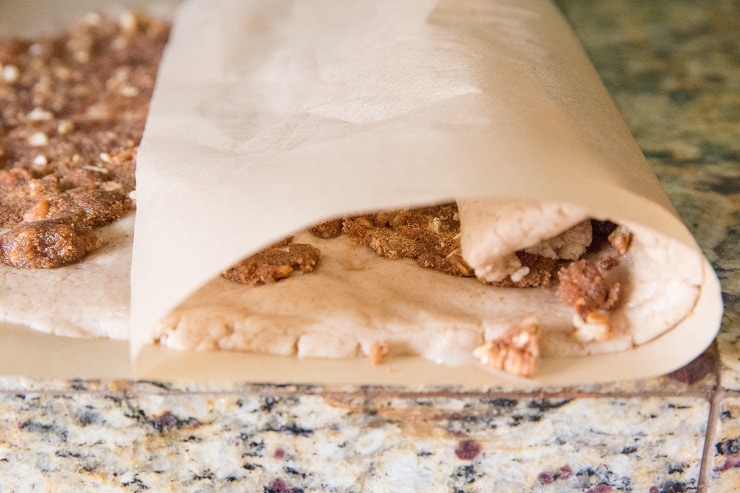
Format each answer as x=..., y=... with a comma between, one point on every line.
x=72, y=113
x=431, y=237
x=274, y=263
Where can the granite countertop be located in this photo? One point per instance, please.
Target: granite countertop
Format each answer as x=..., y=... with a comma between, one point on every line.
x=673, y=68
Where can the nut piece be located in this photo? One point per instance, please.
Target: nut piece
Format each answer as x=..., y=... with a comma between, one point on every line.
x=38, y=139
x=10, y=74
x=377, y=352
x=65, y=127
x=39, y=114
x=595, y=327
x=515, y=352
x=39, y=162
x=132, y=22
x=620, y=239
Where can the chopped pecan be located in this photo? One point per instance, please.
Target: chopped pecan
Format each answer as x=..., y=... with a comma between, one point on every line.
x=515, y=352
x=595, y=326
x=620, y=239
x=133, y=22
x=378, y=351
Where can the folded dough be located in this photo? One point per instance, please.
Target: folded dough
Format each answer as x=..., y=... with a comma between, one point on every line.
x=355, y=299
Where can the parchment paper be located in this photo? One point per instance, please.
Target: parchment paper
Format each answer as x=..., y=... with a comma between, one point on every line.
x=271, y=116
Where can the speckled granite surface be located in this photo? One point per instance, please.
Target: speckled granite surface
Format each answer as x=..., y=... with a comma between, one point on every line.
x=261, y=441
x=673, y=68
